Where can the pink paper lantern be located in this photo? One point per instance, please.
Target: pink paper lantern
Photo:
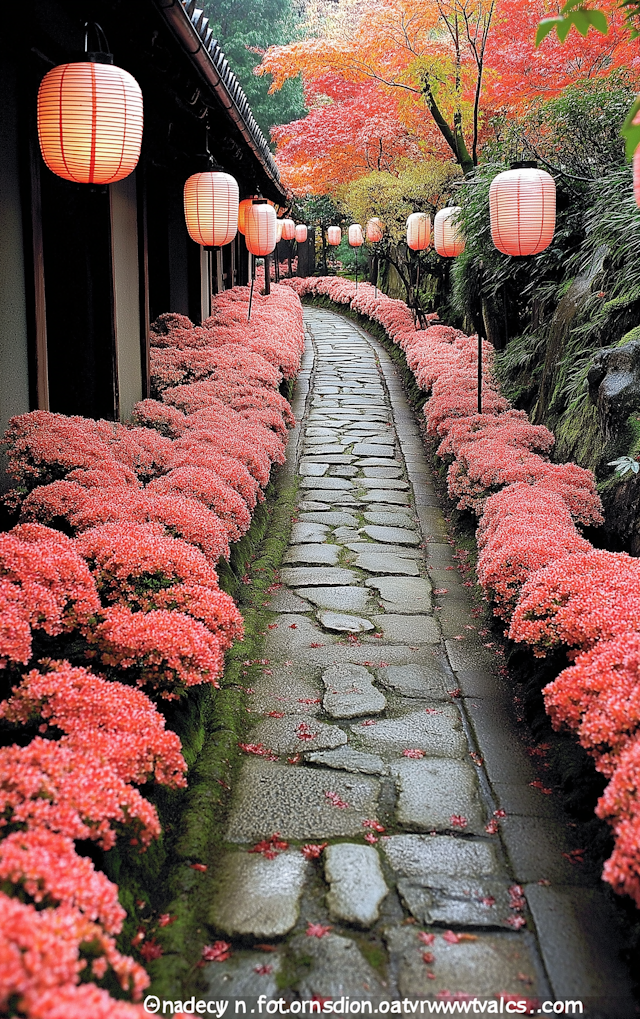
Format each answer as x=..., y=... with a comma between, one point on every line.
x=90, y=122
x=374, y=230
x=288, y=230
x=260, y=229
x=522, y=206
x=278, y=231
x=448, y=239
x=334, y=235
x=211, y=208
x=418, y=231
x=355, y=235
x=301, y=233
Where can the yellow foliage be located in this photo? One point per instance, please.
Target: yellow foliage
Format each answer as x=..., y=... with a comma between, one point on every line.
x=422, y=187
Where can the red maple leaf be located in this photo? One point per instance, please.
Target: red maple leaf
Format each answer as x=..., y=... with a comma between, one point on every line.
x=199, y=866
x=219, y=951
x=166, y=920
x=317, y=930
x=425, y=938
x=263, y=970
x=151, y=950
x=312, y=850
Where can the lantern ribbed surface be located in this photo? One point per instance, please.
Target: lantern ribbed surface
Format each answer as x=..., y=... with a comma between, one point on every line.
x=522, y=205
x=448, y=239
x=418, y=231
x=278, y=231
x=355, y=235
x=288, y=230
x=301, y=233
x=334, y=235
x=260, y=229
x=245, y=204
x=374, y=230
x=211, y=208
x=90, y=122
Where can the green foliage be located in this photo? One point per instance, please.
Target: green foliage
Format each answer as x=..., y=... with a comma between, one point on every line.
x=577, y=132
x=582, y=18
x=245, y=28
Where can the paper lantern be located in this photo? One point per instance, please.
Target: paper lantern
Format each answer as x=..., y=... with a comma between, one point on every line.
x=211, y=208
x=334, y=235
x=522, y=206
x=418, y=231
x=245, y=204
x=288, y=230
x=278, y=231
x=448, y=239
x=260, y=229
x=90, y=122
x=355, y=235
x=374, y=230
x=301, y=233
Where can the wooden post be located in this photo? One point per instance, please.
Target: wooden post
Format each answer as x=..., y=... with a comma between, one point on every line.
x=267, y=274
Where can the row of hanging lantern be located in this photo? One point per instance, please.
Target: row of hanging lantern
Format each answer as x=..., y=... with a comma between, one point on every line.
x=90, y=121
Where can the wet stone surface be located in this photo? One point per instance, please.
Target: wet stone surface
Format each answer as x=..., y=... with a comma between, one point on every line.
x=356, y=734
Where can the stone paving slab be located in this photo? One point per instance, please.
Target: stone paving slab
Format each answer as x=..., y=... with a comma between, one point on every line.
x=390, y=518
x=329, y=484
x=246, y=975
x=288, y=689
x=289, y=735
x=339, y=622
x=356, y=883
x=348, y=759
x=303, y=533
x=302, y=576
x=333, y=519
x=414, y=856
x=450, y=902
x=404, y=551
x=316, y=554
x=258, y=896
x=386, y=498
x=339, y=598
x=337, y=970
x=393, y=535
x=409, y=629
x=416, y=680
x=405, y=595
x=438, y=734
x=492, y=965
x=374, y=562
x=435, y=791
x=350, y=692
x=293, y=801
x=287, y=601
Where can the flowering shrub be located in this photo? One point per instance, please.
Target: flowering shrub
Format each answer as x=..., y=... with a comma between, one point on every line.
x=44, y=584
x=136, y=518
x=544, y=577
x=118, y=723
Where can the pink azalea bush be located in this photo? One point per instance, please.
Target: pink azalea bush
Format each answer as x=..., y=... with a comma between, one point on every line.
x=547, y=582
x=121, y=528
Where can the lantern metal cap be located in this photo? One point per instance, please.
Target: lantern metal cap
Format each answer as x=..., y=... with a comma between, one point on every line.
x=524, y=164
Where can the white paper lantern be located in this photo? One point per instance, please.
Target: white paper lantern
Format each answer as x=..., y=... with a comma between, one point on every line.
x=522, y=205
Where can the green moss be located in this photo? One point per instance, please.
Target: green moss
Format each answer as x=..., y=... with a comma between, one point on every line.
x=633, y=334
x=210, y=724
x=578, y=435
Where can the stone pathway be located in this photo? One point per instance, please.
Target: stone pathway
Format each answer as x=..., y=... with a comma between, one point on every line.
x=384, y=731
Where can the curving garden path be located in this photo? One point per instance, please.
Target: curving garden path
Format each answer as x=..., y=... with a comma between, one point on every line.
x=383, y=730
